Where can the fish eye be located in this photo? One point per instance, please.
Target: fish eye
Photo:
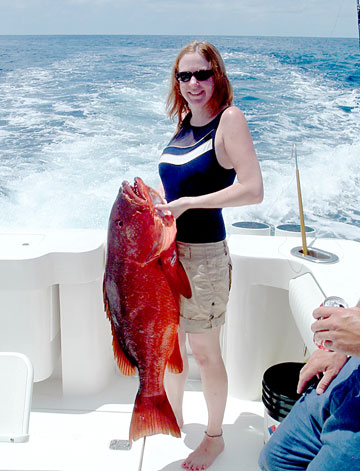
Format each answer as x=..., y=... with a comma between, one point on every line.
x=120, y=223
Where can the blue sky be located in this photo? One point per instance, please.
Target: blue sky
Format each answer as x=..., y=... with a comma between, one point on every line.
x=327, y=18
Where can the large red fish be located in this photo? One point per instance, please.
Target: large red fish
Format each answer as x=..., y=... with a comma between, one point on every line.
x=142, y=285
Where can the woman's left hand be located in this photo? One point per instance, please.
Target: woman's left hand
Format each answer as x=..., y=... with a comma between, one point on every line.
x=176, y=207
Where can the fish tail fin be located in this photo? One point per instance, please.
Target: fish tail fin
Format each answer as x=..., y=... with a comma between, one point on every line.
x=152, y=415
x=175, y=363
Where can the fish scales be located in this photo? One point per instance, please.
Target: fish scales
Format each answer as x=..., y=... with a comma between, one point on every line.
x=142, y=286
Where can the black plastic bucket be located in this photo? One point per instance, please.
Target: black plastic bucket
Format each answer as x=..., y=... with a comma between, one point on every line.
x=279, y=393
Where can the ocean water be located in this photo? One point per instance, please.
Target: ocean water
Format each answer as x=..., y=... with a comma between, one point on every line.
x=80, y=114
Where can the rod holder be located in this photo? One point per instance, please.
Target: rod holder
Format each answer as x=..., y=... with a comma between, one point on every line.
x=315, y=255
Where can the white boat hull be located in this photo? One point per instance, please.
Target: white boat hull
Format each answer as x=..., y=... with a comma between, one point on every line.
x=81, y=402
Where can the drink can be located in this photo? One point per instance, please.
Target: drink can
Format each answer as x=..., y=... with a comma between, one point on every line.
x=335, y=301
x=332, y=301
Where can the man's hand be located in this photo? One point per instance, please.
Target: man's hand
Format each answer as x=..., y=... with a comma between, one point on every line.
x=328, y=363
x=339, y=328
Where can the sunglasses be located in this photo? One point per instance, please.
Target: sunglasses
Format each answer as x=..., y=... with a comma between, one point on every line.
x=200, y=75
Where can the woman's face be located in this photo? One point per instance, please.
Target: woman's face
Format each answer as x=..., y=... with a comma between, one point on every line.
x=196, y=93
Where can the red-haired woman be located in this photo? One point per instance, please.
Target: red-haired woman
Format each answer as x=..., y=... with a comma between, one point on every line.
x=212, y=146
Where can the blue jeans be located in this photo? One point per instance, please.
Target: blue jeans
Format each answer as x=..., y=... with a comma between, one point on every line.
x=322, y=432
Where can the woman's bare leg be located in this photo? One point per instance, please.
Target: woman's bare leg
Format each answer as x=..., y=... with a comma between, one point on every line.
x=206, y=351
x=175, y=383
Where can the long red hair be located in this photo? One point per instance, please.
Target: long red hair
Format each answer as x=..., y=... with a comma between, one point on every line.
x=177, y=106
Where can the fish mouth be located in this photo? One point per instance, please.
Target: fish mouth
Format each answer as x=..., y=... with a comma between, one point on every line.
x=144, y=196
x=136, y=193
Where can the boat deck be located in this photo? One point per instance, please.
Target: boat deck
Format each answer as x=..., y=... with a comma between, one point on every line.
x=75, y=433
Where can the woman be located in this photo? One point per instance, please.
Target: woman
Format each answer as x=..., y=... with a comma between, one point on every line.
x=211, y=147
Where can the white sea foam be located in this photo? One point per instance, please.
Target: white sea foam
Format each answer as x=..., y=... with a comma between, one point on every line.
x=74, y=127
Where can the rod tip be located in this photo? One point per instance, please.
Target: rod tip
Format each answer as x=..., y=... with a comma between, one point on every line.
x=294, y=154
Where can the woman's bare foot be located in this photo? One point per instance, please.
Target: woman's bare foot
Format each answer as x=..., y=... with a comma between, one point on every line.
x=205, y=454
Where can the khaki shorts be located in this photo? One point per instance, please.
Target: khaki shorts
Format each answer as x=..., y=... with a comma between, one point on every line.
x=208, y=267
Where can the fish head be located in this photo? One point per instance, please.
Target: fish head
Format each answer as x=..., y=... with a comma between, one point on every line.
x=137, y=230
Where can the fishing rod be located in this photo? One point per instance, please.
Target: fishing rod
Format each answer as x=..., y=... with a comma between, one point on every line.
x=301, y=211
x=313, y=254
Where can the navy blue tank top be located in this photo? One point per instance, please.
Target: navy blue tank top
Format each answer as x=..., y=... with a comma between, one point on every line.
x=189, y=167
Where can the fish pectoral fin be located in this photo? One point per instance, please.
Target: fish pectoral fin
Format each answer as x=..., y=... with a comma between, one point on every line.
x=185, y=288
x=123, y=362
x=152, y=415
x=175, y=363
x=175, y=273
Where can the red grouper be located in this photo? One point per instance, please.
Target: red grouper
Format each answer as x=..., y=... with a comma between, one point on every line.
x=142, y=286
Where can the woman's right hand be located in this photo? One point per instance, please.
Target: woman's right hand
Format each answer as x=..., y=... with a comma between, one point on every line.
x=176, y=207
